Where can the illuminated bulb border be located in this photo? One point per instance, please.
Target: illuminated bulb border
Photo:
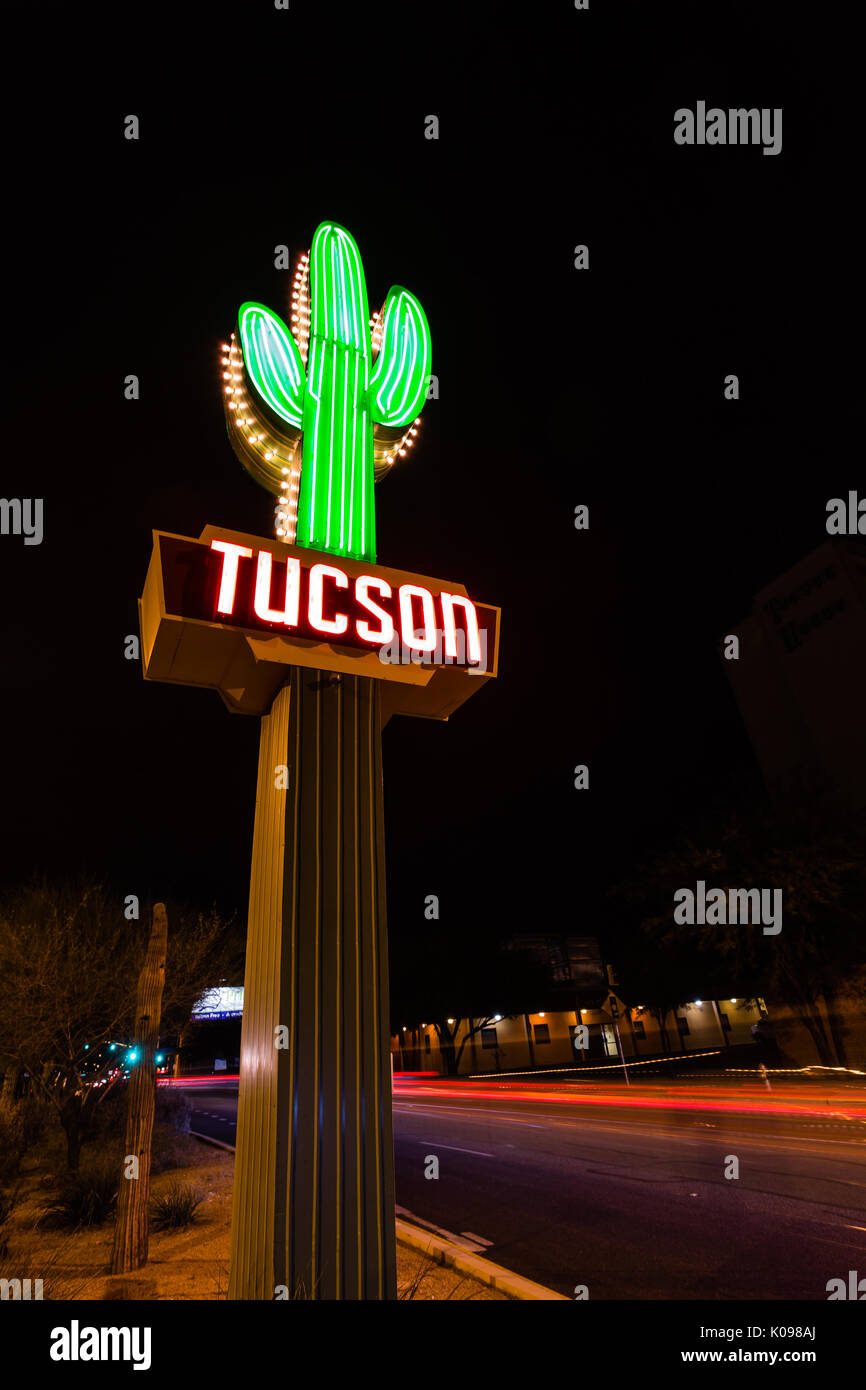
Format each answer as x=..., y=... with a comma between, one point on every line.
x=272, y=457
x=261, y=448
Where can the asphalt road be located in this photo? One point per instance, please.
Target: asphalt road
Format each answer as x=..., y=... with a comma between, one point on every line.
x=623, y=1193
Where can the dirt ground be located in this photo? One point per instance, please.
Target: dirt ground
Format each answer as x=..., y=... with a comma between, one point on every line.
x=187, y=1264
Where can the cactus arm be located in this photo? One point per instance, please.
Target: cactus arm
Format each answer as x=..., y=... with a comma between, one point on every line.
x=273, y=361
x=399, y=381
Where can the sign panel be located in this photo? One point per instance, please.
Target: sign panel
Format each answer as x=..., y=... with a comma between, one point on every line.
x=225, y=1001
x=231, y=611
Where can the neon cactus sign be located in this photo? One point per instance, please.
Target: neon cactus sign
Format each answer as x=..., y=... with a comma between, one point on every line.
x=351, y=386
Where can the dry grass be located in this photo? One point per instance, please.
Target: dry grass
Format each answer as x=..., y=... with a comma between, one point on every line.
x=419, y=1276
x=185, y=1264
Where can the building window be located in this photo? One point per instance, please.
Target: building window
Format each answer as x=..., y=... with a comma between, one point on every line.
x=726, y=1022
x=488, y=1037
x=639, y=1030
x=683, y=1024
x=426, y=1042
x=542, y=1032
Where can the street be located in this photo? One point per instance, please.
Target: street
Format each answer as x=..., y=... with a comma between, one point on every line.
x=624, y=1191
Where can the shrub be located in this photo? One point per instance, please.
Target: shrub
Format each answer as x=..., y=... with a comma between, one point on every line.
x=22, y=1124
x=107, y=1120
x=84, y=1199
x=176, y=1208
x=9, y=1153
x=32, y=1113
x=7, y=1202
x=173, y=1109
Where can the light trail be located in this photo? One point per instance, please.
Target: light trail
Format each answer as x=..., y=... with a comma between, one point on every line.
x=753, y=1101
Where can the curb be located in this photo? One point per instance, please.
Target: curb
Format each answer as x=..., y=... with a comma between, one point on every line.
x=444, y=1253
x=494, y=1276
x=206, y=1138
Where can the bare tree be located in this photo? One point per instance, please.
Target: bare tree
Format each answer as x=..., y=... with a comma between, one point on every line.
x=69, y=961
x=67, y=956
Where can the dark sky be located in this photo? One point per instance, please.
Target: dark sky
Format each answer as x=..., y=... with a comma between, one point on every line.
x=557, y=387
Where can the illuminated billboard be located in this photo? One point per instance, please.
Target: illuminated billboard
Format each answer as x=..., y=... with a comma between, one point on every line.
x=225, y=1001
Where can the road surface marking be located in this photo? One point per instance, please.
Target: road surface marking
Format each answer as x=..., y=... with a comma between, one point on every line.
x=489, y=1115
x=846, y=1244
x=470, y=1235
x=455, y=1147
x=471, y=1246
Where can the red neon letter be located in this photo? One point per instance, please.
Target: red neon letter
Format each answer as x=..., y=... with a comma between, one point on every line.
x=473, y=641
x=231, y=554
x=334, y=626
x=386, y=623
x=289, y=615
x=427, y=643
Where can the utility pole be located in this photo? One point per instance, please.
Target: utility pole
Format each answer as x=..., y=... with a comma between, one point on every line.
x=614, y=1013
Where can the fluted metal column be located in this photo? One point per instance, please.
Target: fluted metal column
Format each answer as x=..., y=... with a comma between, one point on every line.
x=313, y=1208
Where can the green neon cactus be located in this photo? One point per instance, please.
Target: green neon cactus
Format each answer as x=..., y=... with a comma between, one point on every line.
x=340, y=394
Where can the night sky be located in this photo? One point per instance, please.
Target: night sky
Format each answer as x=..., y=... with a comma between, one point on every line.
x=557, y=387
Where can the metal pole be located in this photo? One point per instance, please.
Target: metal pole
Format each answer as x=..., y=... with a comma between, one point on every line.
x=313, y=1206
x=613, y=1016
x=621, y=1053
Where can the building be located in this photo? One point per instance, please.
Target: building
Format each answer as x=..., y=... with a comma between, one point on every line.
x=529, y=1042
x=800, y=680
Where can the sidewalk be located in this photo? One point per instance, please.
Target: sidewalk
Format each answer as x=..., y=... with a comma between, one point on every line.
x=193, y=1264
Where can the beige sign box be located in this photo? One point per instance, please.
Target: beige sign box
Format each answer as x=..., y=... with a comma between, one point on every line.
x=184, y=646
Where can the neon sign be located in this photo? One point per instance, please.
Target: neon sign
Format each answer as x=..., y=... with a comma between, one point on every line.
x=421, y=617
x=232, y=611
x=317, y=413
x=298, y=596
x=309, y=634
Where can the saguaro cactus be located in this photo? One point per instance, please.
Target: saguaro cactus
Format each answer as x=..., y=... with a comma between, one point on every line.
x=335, y=387
x=131, y=1228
